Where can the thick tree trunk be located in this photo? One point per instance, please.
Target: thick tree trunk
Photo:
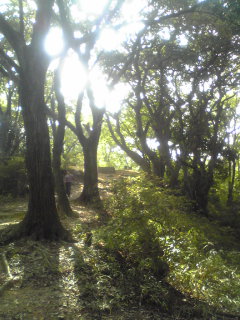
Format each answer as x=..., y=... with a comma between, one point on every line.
x=41, y=220
x=197, y=183
x=201, y=188
x=158, y=167
x=90, y=192
x=174, y=174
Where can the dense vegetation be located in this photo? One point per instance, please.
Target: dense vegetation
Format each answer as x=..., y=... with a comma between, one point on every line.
x=149, y=86
x=157, y=229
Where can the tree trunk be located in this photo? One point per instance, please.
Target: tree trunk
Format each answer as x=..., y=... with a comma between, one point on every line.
x=197, y=183
x=231, y=181
x=63, y=204
x=201, y=190
x=158, y=167
x=90, y=192
x=174, y=174
x=41, y=220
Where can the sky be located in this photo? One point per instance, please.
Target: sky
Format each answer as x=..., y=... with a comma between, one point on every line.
x=74, y=77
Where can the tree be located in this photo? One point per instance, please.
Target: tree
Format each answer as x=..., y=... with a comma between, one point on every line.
x=41, y=220
x=58, y=131
x=180, y=93
x=88, y=134
x=231, y=150
x=11, y=128
x=109, y=153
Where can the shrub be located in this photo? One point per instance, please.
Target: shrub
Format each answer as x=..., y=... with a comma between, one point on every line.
x=155, y=228
x=13, y=179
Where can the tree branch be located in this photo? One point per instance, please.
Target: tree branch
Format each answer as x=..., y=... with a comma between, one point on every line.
x=21, y=18
x=9, y=60
x=42, y=24
x=54, y=116
x=13, y=37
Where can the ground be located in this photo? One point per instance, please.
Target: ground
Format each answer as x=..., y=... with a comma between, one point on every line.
x=59, y=280
x=52, y=280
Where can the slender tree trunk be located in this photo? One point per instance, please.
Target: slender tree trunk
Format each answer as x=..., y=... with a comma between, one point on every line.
x=63, y=204
x=231, y=181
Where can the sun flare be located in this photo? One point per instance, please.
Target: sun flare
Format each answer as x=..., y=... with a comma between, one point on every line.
x=74, y=76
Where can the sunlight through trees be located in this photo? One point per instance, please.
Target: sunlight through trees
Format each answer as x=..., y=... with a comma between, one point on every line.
x=147, y=89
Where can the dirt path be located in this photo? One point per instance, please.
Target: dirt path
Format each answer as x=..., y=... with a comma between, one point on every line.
x=52, y=280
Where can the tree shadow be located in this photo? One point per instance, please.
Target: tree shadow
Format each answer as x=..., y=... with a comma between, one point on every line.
x=90, y=299
x=36, y=292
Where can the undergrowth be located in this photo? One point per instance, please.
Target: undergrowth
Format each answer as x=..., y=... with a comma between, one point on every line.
x=155, y=229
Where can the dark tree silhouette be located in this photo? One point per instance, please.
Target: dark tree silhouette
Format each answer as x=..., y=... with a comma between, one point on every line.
x=41, y=220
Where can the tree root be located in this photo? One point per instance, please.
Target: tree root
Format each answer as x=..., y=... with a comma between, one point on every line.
x=4, y=265
x=34, y=232
x=5, y=269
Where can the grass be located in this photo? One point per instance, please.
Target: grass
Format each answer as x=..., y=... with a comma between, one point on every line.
x=121, y=273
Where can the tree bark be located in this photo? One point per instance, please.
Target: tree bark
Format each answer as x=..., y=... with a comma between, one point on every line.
x=231, y=181
x=63, y=205
x=89, y=141
x=41, y=220
x=90, y=192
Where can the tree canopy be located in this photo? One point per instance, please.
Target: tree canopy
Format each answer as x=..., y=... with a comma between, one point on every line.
x=180, y=61
x=150, y=89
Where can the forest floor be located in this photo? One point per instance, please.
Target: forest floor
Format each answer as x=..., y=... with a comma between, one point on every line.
x=58, y=280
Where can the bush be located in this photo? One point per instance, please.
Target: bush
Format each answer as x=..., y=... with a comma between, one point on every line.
x=155, y=228
x=13, y=178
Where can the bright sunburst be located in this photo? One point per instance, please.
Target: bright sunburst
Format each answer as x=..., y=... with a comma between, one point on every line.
x=74, y=77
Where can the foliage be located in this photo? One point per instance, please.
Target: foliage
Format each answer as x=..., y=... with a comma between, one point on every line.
x=181, y=76
x=87, y=281
x=72, y=153
x=109, y=154
x=73, y=280
x=11, y=127
x=150, y=224
x=13, y=179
